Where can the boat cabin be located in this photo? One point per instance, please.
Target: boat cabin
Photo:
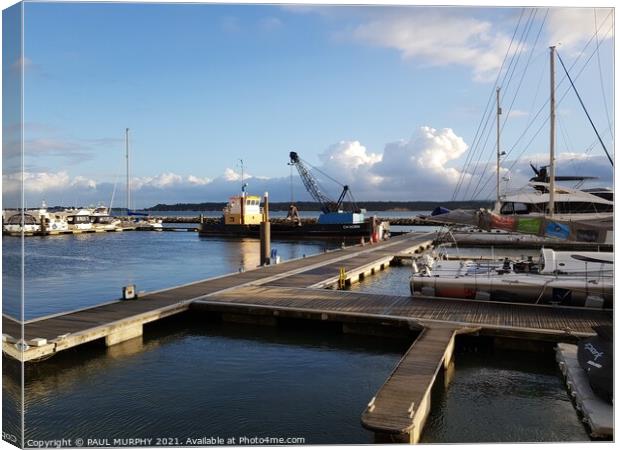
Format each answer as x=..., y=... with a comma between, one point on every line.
x=18, y=223
x=572, y=202
x=78, y=219
x=243, y=210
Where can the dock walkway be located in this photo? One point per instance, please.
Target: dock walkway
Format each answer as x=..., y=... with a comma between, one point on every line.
x=296, y=290
x=121, y=320
x=491, y=318
x=399, y=410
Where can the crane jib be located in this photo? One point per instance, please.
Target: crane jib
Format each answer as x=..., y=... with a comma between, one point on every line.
x=310, y=183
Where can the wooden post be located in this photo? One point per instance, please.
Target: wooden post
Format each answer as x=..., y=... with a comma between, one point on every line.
x=265, y=234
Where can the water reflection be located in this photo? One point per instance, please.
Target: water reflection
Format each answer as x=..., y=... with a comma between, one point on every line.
x=189, y=378
x=73, y=271
x=504, y=397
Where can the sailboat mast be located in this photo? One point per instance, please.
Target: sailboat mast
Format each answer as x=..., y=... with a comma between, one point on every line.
x=128, y=178
x=499, y=112
x=552, y=133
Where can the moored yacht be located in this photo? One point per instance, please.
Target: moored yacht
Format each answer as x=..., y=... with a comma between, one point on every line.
x=14, y=222
x=102, y=221
x=557, y=278
x=78, y=219
x=569, y=204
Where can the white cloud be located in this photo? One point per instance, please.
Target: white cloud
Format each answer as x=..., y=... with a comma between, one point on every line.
x=232, y=175
x=423, y=167
x=163, y=180
x=38, y=182
x=429, y=150
x=440, y=37
x=573, y=27
x=191, y=179
x=84, y=183
x=348, y=155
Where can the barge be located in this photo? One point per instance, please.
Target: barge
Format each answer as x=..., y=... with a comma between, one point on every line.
x=243, y=214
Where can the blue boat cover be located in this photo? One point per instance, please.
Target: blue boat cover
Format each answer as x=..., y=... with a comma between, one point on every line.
x=439, y=210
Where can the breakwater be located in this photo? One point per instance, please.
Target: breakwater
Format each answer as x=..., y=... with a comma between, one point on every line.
x=402, y=221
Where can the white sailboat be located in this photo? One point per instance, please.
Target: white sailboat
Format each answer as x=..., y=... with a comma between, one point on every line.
x=560, y=278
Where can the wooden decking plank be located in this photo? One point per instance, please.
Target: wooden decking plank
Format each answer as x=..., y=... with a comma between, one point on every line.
x=397, y=401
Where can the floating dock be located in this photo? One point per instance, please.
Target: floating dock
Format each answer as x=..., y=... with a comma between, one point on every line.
x=296, y=290
x=597, y=414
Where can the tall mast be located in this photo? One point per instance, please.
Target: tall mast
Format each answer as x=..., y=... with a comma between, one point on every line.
x=499, y=112
x=128, y=179
x=552, y=133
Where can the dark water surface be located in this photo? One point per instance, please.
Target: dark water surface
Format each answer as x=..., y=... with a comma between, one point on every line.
x=193, y=378
x=208, y=379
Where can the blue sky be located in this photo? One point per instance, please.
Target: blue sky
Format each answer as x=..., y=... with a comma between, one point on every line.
x=386, y=99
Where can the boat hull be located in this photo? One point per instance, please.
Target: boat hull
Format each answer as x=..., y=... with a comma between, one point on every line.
x=291, y=231
x=541, y=289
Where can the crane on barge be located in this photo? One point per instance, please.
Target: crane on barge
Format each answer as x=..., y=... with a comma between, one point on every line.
x=331, y=210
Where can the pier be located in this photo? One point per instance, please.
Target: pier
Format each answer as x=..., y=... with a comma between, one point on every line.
x=300, y=289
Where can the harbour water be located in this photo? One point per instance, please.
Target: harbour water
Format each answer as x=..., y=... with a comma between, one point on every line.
x=192, y=379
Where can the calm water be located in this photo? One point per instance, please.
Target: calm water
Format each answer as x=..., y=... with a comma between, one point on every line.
x=207, y=379
x=193, y=378
x=73, y=271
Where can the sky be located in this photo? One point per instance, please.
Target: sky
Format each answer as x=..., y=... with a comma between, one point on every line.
x=396, y=102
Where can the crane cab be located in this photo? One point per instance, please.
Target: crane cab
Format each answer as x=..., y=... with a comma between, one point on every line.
x=243, y=210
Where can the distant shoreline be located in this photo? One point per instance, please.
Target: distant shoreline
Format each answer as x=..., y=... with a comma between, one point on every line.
x=313, y=206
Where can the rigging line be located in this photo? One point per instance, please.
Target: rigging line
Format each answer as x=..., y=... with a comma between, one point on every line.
x=600, y=74
x=323, y=173
x=585, y=110
x=542, y=108
x=478, y=134
x=533, y=120
x=589, y=148
x=544, y=121
x=566, y=140
x=522, y=41
x=469, y=155
x=527, y=64
x=484, y=150
x=514, y=97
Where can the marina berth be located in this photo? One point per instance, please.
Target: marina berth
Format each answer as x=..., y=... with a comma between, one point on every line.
x=582, y=279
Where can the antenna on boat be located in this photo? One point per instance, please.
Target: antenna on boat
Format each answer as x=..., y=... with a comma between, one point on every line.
x=552, y=132
x=242, y=176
